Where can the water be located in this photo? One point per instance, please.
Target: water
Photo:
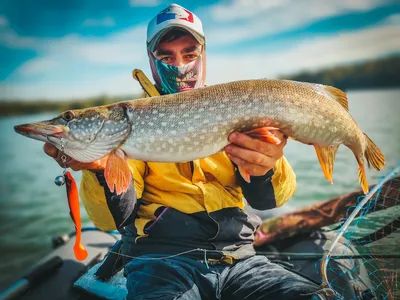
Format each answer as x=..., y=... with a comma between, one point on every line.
x=33, y=209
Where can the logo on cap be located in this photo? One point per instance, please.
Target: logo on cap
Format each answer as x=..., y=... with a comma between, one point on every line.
x=168, y=14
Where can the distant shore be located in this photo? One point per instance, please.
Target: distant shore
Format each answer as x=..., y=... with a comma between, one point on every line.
x=20, y=107
x=381, y=73
x=375, y=74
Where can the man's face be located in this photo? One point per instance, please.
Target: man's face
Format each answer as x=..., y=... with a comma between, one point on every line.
x=178, y=52
x=177, y=65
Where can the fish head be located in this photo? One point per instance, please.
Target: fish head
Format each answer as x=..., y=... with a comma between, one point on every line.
x=85, y=135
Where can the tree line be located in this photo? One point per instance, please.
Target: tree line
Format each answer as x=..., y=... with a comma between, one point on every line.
x=20, y=107
x=378, y=73
x=373, y=74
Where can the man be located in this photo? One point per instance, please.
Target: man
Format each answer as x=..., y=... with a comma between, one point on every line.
x=185, y=232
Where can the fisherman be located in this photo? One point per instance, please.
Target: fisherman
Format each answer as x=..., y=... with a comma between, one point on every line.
x=184, y=228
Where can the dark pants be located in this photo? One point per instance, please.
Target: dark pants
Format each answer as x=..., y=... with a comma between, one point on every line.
x=185, y=278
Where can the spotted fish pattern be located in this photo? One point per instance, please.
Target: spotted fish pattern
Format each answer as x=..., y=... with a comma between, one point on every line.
x=195, y=124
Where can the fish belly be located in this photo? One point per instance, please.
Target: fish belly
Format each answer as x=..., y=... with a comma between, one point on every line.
x=174, y=152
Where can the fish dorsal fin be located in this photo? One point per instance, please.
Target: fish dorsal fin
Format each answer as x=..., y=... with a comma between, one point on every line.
x=117, y=173
x=339, y=96
x=326, y=156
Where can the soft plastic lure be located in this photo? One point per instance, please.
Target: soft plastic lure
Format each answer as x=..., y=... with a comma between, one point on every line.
x=73, y=202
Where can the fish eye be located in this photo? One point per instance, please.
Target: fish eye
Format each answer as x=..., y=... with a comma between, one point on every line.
x=68, y=116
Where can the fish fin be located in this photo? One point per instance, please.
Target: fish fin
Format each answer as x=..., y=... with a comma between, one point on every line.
x=264, y=134
x=339, y=96
x=373, y=155
x=326, y=156
x=362, y=178
x=245, y=174
x=117, y=172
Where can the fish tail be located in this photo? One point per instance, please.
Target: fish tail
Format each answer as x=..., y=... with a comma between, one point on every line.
x=373, y=155
x=362, y=178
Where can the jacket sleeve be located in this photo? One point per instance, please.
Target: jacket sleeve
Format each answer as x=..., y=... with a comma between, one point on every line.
x=100, y=203
x=271, y=190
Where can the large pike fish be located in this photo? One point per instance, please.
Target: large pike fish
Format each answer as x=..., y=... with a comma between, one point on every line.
x=195, y=124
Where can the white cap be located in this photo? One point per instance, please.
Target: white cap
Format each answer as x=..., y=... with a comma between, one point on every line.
x=171, y=17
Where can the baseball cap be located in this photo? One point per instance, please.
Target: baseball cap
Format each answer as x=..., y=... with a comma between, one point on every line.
x=171, y=17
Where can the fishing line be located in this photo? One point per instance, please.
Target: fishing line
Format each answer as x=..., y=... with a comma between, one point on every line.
x=327, y=255
x=167, y=257
x=60, y=180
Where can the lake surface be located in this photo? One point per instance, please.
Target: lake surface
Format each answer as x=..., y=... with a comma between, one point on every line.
x=33, y=209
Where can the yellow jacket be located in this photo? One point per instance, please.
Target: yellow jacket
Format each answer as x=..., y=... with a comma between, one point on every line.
x=182, y=206
x=175, y=185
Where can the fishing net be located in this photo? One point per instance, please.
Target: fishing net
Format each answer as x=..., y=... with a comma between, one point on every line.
x=375, y=236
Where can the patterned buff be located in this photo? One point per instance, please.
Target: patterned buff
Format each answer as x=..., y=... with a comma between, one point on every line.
x=174, y=79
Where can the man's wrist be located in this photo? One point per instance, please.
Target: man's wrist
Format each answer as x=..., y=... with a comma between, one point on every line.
x=258, y=179
x=254, y=179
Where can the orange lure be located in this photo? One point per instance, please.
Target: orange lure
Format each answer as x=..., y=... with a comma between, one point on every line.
x=73, y=202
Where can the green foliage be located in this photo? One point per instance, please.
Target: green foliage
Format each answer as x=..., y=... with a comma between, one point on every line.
x=380, y=73
x=19, y=107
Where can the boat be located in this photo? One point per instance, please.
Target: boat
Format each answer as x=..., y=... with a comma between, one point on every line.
x=60, y=276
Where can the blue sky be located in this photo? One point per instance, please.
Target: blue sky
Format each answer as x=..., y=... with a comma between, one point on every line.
x=81, y=48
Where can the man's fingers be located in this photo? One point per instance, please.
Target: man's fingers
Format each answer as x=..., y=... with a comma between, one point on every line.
x=248, y=142
x=254, y=170
x=50, y=150
x=249, y=156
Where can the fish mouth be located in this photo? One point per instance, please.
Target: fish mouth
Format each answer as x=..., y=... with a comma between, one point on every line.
x=40, y=132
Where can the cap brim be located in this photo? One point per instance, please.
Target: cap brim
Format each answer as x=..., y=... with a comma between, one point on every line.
x=152, y=45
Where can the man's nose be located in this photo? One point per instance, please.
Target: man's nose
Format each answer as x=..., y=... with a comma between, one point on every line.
x=178, y=61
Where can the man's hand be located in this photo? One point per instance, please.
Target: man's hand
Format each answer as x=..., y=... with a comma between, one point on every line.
x=253, y=155
x=75, y=165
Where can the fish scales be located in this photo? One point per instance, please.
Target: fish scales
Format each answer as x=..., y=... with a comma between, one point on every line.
x=190, y=125
x=196, y=124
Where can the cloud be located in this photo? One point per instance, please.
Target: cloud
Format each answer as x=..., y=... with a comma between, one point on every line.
x=39, y=66
x=75, y=66
x=10, y=39
x=105, y=22
x=3, y=21
x=306, y=54
x=126, y=47
x=249, y=9
x=145, y=3
x=393, y=19
x=121, y=84
x=241, y=20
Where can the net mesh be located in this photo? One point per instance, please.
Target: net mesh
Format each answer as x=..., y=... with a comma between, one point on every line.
x=375, y=237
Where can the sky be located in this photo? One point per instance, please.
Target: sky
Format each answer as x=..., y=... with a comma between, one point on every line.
x=83, y=48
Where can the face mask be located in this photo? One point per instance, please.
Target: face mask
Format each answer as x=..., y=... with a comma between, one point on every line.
x=173, y=79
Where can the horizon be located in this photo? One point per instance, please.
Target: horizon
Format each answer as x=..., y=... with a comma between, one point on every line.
x=85, y=49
